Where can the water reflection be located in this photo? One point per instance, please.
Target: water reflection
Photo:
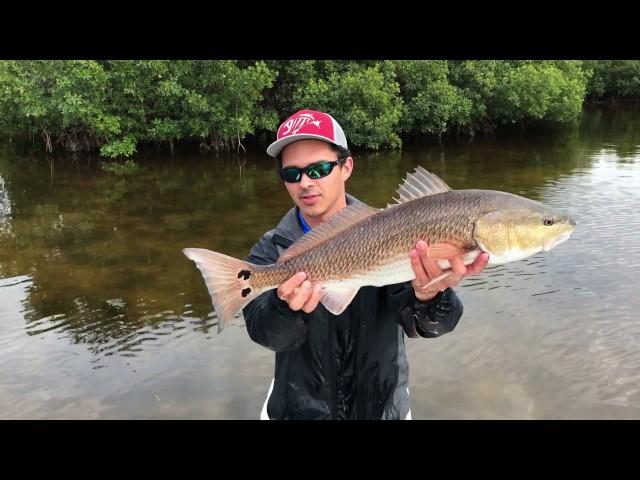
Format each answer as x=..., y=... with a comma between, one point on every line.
x=5, y=209
x=101, y=316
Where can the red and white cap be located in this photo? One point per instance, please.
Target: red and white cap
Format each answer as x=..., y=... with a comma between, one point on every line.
x=308, y=124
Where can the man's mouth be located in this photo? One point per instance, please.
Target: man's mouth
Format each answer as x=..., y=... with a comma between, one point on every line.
x=309, y=198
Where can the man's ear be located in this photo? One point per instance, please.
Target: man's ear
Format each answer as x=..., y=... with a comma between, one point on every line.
x=347, y=168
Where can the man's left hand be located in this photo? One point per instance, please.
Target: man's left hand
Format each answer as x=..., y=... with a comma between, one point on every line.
x=426, y=269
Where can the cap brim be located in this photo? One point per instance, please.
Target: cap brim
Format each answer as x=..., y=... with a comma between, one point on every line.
x=276, y=147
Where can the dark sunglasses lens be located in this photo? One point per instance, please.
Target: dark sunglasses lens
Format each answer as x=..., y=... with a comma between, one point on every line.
x=319, y=170
x=290, y=175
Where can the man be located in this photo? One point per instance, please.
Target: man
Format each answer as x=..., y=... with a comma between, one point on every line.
x=352, y=365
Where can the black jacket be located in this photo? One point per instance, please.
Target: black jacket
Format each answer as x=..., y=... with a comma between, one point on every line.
x=349, y=366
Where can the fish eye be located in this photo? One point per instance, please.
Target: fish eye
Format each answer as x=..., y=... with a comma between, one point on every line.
x=548, y=222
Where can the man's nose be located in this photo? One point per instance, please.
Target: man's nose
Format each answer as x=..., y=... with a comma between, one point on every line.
x=305, y=181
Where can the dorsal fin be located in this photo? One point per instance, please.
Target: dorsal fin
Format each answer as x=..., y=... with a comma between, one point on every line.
x=339, y=222
x=420, y=183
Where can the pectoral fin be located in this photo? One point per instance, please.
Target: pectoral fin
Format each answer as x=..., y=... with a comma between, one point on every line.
x=437, y=279
x=445, y=251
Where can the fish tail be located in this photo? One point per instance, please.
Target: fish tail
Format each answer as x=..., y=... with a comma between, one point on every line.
x=229, y=281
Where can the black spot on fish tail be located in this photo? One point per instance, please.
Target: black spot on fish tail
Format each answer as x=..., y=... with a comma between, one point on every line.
x=246, y=292
x=245, y=274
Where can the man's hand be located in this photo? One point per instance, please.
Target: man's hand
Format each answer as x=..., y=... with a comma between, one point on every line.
x=299, y=293
x=427, y=269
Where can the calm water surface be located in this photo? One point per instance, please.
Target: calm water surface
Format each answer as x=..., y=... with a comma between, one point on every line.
x=101, y=316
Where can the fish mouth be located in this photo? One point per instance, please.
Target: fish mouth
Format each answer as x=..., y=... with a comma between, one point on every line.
x=557, y=241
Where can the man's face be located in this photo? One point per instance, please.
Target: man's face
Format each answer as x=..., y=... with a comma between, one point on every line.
x=317, y=199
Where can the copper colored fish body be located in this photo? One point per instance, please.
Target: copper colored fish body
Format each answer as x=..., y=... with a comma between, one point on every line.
x=363, y=246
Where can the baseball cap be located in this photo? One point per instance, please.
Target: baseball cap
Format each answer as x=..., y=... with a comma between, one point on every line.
x=308, y=124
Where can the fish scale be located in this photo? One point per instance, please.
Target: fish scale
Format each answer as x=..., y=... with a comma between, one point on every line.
x=370, y=243
x=363, y=246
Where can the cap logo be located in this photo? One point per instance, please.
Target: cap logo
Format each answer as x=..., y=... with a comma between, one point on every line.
x=293, y=125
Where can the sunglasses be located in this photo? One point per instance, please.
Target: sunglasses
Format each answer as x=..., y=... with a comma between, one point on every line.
x=314, y=171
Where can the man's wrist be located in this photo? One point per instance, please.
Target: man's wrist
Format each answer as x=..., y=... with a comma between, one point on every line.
x=436, y=296
x=426, y=296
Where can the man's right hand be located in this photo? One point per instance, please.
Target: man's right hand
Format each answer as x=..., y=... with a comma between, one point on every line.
x=299, y=293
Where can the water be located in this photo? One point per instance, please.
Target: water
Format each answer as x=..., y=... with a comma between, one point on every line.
x=101, y=316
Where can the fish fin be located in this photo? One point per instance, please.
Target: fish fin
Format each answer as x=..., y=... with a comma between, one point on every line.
x=437, y=279
x=337, y=299
x=336, y=224
x=445, y=251
x=418, y=184
x=468, y=258
x=228, y=281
